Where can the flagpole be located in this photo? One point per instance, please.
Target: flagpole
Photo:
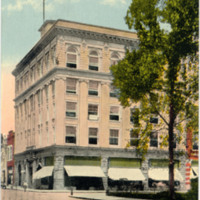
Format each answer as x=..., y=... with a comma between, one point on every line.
x=43, y=10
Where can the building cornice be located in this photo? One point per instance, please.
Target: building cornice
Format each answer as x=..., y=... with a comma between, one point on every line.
x=59, y=72
x=64, y=150
x=57, y=30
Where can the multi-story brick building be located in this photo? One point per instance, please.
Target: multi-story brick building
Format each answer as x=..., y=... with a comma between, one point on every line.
x=70, y=128
x=192, y=169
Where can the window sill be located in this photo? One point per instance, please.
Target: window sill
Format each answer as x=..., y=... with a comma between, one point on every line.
x=114, y=121
x=114, y=146
x=71, y=118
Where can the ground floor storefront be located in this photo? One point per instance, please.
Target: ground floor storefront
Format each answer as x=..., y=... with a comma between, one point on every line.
x=84, y=168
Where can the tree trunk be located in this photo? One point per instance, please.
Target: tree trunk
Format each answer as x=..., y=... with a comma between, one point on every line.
x=171, y=153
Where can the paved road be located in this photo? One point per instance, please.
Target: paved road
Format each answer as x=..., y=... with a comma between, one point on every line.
x=20, y=194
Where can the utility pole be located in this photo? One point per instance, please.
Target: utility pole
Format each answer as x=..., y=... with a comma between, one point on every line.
x=43, y=11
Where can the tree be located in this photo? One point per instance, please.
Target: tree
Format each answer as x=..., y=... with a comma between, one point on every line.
x=162, y=74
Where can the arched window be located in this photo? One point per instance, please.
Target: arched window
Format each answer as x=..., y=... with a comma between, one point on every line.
x=71, y=57
x=93, y=61
x=114, y=59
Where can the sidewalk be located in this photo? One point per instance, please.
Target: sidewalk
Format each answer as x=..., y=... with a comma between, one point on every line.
x=98, y=196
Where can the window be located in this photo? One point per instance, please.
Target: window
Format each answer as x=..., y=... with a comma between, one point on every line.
x=10, y=152
x=40, y=68
x=113, y=92
x=53, y=55
x=71, y=86
x=47, y=60
x=21, y=83
x=34, y=72
x=92, y=112
x=134, y=116
x=71, y=109
x=70, y=134
x=47, y=92
x=154, y=139
x=93, y=88
x=32, y=102
x=134, y=133
x=17, y=85
x=114, y=113
x=71, y=58
x=25, y=107
x=39, y=97
x=93, y=135
x=114, y=59
x=195, y=140
x=114, y=135
x=154, y=120
x=93, y=61
x=53, y=88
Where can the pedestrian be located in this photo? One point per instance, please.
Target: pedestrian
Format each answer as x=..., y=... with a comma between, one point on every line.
x=25, y=185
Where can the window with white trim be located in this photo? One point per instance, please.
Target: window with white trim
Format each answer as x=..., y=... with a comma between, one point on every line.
x=114, y=113
x=47, y=92
x=71, y=85
x=93, y=88
x=71, y=109
x=153, y=139
x=32, y=102
x=10, y=152
x=53, y=54
x=154, y=119
x=39, y=97
x=195, y=141
x=53, y=88
x=93, y=135
x=47, y=60
x=113, y=92
x=93, y=61
x=92, y=112
x=70, y=134
x=134, y=137
x=114, y=59
x=134, y=116
x=114, y=137
x=71, y=58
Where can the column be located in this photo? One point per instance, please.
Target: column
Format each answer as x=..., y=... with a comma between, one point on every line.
x=182, y=169
x=104, y=167
x=145, y=168
x=58, y=173
x=16, y=174
x=34, y=170
x=23, y=173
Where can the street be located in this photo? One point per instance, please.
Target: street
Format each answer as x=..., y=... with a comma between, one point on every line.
x=20, y=194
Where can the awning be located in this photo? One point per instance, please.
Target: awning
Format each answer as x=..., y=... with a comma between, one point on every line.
x=44, y=172
x=162, y=174
x=84, y=171
x=194, y=172
x=130, y=174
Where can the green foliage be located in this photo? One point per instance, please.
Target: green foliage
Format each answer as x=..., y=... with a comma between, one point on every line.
x=163, y=73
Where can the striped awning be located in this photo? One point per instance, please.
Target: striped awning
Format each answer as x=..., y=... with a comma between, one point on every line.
x=43, y=172
x=162, y=174
x=84, y=171
x=130, y=174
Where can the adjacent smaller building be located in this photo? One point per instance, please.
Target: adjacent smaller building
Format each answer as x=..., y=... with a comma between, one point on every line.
x=10, y=157
x=192, y=168
x=3, y=159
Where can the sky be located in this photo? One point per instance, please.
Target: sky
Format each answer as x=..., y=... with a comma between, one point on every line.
x=20, y=21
